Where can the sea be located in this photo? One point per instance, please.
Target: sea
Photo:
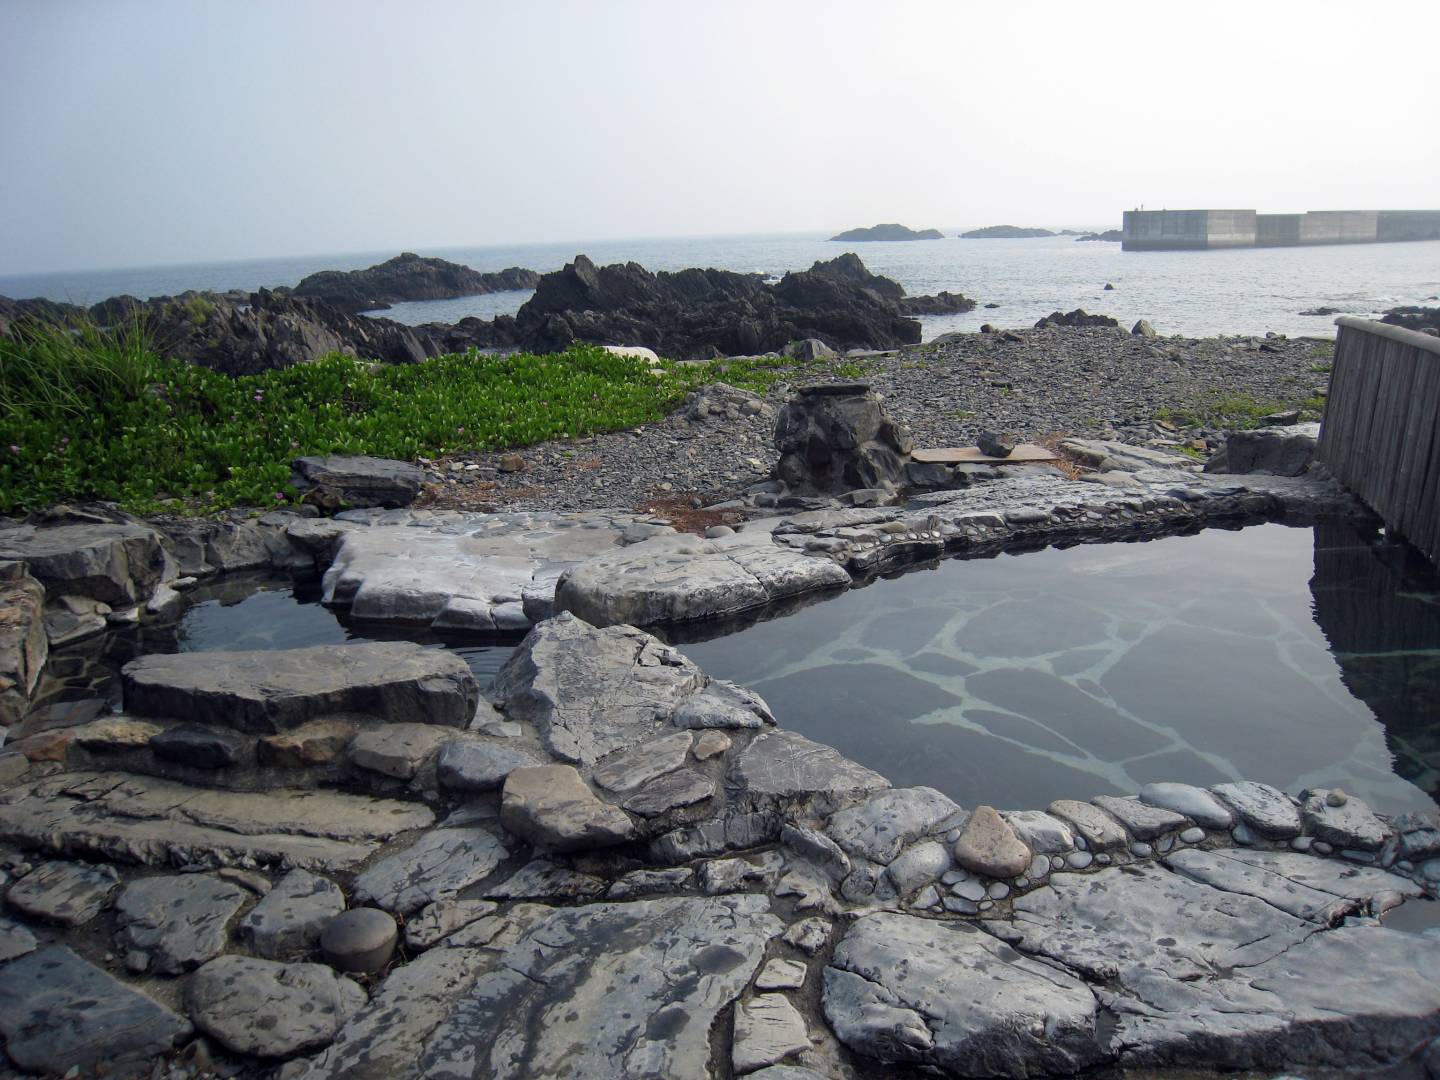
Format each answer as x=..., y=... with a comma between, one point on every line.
x=1247, y=291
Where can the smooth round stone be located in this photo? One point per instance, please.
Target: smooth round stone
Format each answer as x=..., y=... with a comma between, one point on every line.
x=1336, y=797
x=986, y=905
x=359, y=940
x=1022, y=882
x=1103, y=859
x=1164, y=844
x=1079, y=860
x=950, y=877
x=998, y=891
x=1195, y=834
x=1141, y=850
x=1406, y=865
x=969, y=890
x=960, y=906
x=1081, y=842
x=1057, y=862
x=1320, y=847
x=1431, y=870
x=1302, y=843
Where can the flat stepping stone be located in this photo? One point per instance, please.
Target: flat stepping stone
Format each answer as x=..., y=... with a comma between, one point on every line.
x=437, y=866
x=1359, y=883
x=543, y=880
x=317, y=742
x=591, y=692
x=442, y=918
x=270, y=1010
x=1041, y=831
x=265, y=692
x=397, y=750
x=768, y=1029
x=1267, y=810
x=879, y=828
x=901, y=988
x=553, y=808
x=1237, y=876
x=783, y=769
x=169, y=925
x=15, y=940
x=685, y=787
x=472, y=765
x=989, y=846
x=1195, y=803
x=58, y=1011
x=1099, y=829
x=357, y=479
x=570, y=996
x=1144, y=822
x=629, y=769
x=781, y=974
x=1023, y=454
x=139, y=819
x=1349, y=825
x=287, y=921
x=202, y=747
x=67, y=893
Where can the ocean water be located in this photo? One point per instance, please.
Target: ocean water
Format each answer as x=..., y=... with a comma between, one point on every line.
x=1196, y=293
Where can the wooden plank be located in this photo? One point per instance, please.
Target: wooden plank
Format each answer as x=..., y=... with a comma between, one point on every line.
x=1023, y=454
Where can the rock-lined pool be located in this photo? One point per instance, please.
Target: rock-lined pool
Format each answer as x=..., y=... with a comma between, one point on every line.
x=1295, y=656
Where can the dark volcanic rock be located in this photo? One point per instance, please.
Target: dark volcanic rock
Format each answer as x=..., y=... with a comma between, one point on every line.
x=408, y=277
x=1004, y=232
x=1413, y=318
x=838, y=437
x=942, y=303
x=889, y=232
x=1109, y=236
x=698, y=314
x=1078, y=317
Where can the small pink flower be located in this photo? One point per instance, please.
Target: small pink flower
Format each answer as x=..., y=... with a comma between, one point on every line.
x=14, y=449
x=279, y=496
x=460, y=430
x=294, y=445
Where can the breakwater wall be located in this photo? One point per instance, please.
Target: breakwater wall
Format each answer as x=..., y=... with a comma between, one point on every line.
x=1181, y=230
x=1381, y=432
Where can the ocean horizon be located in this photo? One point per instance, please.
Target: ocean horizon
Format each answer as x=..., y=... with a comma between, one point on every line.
x=1194, y=293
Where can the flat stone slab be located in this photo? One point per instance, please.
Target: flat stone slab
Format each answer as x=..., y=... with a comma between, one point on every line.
x=615, y=990
x=629, y=769
x=357, y=480
x=437, y=866
x=264, y=692
x=58, y=1011
x=1144, y=822
x=885, y=823
x=66, y=893
x=684, y=787
x=1100, y=830
x=15, y=940
x=1023, y=454
x=900, y=988
x=1352, y=824
x=267, y=1009
x=782, y=769
x=1332, y=876
x=139, y=819
x=169, y=925
x=591, y=692
x=1267, y=810
x=1237, y=876
x=397, y=750
x=287, y=921
x=768, y=1029
x=472, y=765
x=673, y=579
x=1195, y=803
x=117, y=564
x=553, y=808
x=479, y=572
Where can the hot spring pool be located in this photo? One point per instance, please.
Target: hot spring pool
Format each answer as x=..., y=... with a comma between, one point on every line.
x=1295, y=656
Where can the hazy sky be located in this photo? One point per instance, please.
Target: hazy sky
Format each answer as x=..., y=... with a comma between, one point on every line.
x=135, y=132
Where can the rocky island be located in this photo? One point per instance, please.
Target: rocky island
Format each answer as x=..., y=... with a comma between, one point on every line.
x=888, y=232
x=1005, y=232
x=407, y=277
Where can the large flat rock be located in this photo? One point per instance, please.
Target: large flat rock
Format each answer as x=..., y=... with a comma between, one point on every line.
x=671, y=579
x=783, y=769
x=171, y=924
x=117, y=564
x=481, y=572
x=59, y=1011
x=437, y=866
x=900, y=988
x=612, y=990
x=272, y=691
x=267, y=1009
x=591, y=692
x=140, y=819
x=357, y=480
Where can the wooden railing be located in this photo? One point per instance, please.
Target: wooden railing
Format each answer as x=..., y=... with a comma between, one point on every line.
x=1381, y=433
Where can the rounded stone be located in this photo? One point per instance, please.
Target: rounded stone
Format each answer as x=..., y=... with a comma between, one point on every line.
x=998, y=890
x=1336, y=797
x=1302, y=843
x=1078, y=860
x=359, y=940
x=1241, y=834
x=1141, y=850
x=1195, y=835
x=1320, y=847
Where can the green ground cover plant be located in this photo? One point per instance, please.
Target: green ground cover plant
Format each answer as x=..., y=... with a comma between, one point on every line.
x=1233, y=412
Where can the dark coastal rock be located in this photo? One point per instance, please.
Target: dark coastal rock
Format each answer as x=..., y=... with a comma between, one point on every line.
x=336, y=480
x=993, y=444
x=942, y=303
x=1004, y=232
x=699, y=314
x=115, y=563
x=1109, y=236
x=273, y=691
x=1078, y=317
x=58, y=1011
x=202, y=747
x=838, y=437
x=888, y=232
x=1413, y=317
x=1279, y=451
x=407, y=277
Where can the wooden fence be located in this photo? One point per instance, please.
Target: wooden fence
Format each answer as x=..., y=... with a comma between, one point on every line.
x=1381, y=432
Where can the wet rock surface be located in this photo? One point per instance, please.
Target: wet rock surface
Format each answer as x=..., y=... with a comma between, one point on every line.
x=267, y=1009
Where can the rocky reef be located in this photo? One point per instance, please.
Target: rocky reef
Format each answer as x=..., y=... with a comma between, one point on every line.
x=888, y=232
x=407, y=277
x=1005, y=232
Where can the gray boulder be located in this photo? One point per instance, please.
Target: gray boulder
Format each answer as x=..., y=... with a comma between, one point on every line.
x=885, y=823
x=1280, y=451
x=118, y=564
x=553, y=808
x=169, y=925
x=267, y=1009
x=837, y=437
x=472, y=765
x=338, y=480
x=272, y=691
x=287, y=921
x=783, y=770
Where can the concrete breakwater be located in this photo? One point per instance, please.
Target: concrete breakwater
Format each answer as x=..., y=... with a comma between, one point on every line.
x=1181, y=230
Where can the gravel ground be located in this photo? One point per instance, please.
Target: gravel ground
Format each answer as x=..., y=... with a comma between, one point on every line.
x=1033, y=383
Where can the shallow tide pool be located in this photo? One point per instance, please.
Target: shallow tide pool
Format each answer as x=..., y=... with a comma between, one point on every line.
x=1295, y=656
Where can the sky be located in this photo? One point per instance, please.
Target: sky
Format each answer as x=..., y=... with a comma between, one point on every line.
x=141, y=132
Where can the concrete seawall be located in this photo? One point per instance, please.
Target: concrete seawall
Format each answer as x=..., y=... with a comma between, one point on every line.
x=1182, y=230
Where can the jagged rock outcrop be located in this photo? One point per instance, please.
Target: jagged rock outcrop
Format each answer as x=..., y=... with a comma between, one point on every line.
x=1424, y=319
x=697, y=314
x=1078, y=317
x=407, y=277
x=942, y=303
x=838, y=437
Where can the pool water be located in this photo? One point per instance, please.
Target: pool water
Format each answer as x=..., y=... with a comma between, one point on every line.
x=1295, y=656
